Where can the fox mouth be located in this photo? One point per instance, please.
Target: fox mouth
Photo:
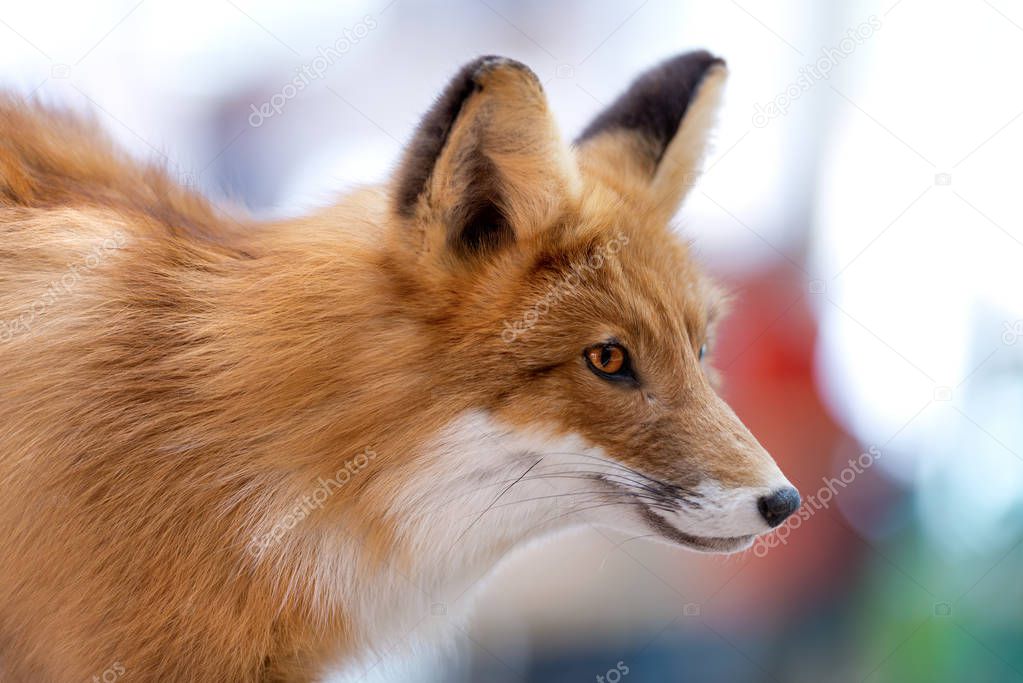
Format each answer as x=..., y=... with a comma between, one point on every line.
x=668, y=498
x=706, y=544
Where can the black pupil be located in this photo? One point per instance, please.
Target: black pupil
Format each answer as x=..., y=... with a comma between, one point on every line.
x=605, y=355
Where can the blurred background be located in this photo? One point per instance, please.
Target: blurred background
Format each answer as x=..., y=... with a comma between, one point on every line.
x=862, y=203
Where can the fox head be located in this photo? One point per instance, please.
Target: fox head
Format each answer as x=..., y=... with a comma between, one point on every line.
x=564, y=314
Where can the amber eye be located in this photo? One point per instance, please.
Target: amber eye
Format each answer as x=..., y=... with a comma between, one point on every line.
x=607, y=358
x=610, y=361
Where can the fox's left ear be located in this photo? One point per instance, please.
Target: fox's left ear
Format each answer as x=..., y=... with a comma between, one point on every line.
x=649, y=143
x=486, y=166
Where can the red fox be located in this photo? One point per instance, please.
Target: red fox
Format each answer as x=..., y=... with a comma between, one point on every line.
x=255, y=452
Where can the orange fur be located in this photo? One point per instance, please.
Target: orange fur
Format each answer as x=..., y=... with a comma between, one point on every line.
x=175, y=381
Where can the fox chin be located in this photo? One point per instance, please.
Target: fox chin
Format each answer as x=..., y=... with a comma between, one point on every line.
x=243, y=451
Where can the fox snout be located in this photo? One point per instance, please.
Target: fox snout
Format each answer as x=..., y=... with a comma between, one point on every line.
x=718, y=518
x=742, y=480
x=728, y=488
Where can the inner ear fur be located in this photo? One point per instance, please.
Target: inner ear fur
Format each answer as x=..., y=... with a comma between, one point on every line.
x=649, y=143
x=486, y=164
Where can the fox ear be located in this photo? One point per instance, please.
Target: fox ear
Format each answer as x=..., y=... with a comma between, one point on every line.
x=486, y=165
x=650, y=142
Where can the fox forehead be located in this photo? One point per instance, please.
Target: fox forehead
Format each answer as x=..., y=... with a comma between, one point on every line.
x=636, y=275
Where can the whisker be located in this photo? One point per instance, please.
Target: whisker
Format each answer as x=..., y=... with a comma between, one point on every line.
x=584, y=509
x=567, y=474
x=634, y=482
x=612, y=463
x=663, y=500
x=578, y=493
x=608, y=476
x=528, y=469
x=670, y=489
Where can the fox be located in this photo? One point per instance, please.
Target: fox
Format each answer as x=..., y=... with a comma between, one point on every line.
x=244, y=450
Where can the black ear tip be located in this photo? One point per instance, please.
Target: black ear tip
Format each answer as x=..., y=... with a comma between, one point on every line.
x=657, y=100
x=682, y=74
x=685, y=71
x=436, y=124
x=697, y=62
x=476, y=70
x=491, y=63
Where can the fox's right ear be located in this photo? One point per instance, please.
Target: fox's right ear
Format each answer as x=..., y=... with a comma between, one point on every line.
x=649, y=143
x=485, y=167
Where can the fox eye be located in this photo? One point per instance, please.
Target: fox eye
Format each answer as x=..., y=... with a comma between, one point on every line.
x=609, y=361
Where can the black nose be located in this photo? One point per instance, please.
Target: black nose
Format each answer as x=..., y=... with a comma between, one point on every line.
x=777, y=506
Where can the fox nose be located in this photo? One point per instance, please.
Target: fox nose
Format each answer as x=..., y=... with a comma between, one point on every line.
x=776, y=507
